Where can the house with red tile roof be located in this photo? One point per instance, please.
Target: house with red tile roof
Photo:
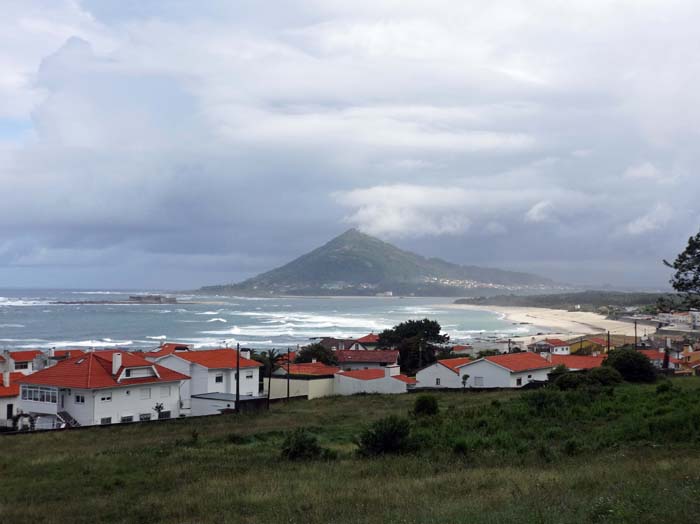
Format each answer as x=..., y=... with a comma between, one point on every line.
x=554, y=346
x=370, y=342
x=214, y=371
x=657, y=358
x=9, y=395
x=350, y=360
x=442, y=374
x=577, y=362
x=310, y=380
x=101, y=387
x=388, y=380
x=22, y=361
x=510, y=370
x=166, y=348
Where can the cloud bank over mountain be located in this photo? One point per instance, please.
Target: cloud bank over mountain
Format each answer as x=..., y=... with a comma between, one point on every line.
x=170, y=144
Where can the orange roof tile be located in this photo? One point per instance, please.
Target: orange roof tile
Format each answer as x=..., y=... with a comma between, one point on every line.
x=519, y=361
x=312, y=368
x=217, y=359
x=369, y=339
x=25, y=356
x=377, y=356
x=13, y=389
x=167, y=348
x=653, y=354
x=454, y=363
x=68, y=353
x=94, y=371
x=404, y=378
x=364, y=374
x=577, y=362
x=556, y=342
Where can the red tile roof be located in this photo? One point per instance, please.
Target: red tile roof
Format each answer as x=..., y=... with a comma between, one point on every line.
x=25, y=356
x=577, y=362
x=461, y=347
x=519, y=361
x=369, y=339
x=167, y=348
x=376, y=356
x=94, y=371
x=454, y=363
x=556, y=342
x=217, y=359
x=404, y=378
x=364, y=374
x=312, y=368
x=68, y=353
x=13, y=389
x=599, y=341
x=653, y=354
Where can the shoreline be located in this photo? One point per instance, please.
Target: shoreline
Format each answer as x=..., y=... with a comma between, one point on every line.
x=567, y=324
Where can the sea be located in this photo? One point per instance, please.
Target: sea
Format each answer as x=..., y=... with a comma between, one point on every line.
x=33, y=319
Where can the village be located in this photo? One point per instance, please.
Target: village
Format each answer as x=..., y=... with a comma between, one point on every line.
x=58, y=389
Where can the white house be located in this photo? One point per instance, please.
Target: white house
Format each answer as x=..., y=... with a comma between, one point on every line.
x=214, y=371
x=657, y=358
x=553, y=346
x=511, y=370
x=442, y=374
x=21, y=361
x=103, y=387
x=9, y=395
x=310, y=380
x=387, y=380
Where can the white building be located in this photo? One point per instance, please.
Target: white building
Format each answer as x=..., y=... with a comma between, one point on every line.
x=512, y=370
x=214, y=371
x=9, y=395
x=387, y=380
x=552, y=346
x=442, y=374
x=309, y=380
x=349, y=360
x=21, y=361
x=104, y=387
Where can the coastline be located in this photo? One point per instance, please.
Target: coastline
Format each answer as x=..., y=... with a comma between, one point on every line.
x=566, y=324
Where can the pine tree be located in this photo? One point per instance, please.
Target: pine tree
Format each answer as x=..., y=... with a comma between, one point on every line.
x=686, y=279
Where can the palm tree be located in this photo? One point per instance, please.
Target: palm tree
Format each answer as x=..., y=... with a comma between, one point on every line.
x=272, y=357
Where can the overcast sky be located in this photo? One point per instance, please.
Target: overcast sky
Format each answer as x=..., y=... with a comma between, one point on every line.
x=177, y=144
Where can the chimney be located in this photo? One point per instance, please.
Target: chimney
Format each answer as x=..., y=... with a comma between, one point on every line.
x=245, y=353
x=52, y=352
x=392, y=370
x=6, y=379
x=313, y=360
x=116, y=363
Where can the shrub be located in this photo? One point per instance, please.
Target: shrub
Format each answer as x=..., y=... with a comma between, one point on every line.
x=605, y=376
x=300, y=444
x=461, y=447
x=558, y=371
x=664, y=387
x=570, y=380
x=387, y=435
x=632, y=365
x=425, y=405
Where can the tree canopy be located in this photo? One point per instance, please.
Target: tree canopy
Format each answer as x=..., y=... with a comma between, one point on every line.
x=632, y=365
x=686, y=279
x=318, y=352
x=416, y=341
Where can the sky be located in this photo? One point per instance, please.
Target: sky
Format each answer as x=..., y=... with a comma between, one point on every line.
x=169, y=145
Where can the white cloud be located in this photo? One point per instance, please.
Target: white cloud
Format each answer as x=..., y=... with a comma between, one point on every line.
x=541, y=212
x=645, y=170
x=659, y=216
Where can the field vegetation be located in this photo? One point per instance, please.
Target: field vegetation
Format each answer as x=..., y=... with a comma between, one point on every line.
x=591, y=452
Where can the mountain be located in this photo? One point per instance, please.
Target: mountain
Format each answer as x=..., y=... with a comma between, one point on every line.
x=358, y=264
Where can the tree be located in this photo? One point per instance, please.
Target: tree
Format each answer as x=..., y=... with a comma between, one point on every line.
x=272, y=358
x=632, y=365
x=686, y=279
x=318, y=352
x=487, y=353
x=416, y=341
x=465, y=379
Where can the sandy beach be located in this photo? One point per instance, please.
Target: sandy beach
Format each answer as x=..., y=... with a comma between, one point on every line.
x=558, y=322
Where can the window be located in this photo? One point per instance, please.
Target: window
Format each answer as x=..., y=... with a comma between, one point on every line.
x=144, y=417
x=529, y=377
x=479, y=382
x=127, y=373
x=249, y=374
x=39, y=394
x=21, y=365
x=145, y=393
x=105, y=420
x=80, y=399
x=106, y=396
x=127, y=418
x=164, y=391
x=519, y=382
x=219, y=378
x=437, y=381
x=163, y=415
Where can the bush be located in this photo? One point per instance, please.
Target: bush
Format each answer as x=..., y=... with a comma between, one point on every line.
x=571, y=380
x=605, y=376
x=425, y=405
x=632, y=365
x=303, y=445
x=385, y=436
x=461, y=447
x=664, y=387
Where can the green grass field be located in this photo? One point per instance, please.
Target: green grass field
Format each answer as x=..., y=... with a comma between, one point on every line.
x=627, y=456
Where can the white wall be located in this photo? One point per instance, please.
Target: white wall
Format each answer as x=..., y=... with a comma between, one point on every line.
x=350, y=366
x=205, y=406
x=350, y=386
x=495, y=376
x=427, y=377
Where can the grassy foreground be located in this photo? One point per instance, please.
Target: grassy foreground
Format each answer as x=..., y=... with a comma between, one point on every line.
x=631, y=455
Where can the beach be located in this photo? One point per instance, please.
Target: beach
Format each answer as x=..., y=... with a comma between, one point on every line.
x=559, y=322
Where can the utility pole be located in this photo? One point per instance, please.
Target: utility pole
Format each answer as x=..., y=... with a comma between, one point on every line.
x=635, y=334
x=608, y=342
x=509, y=342
x=238, y=376
x=287, y=374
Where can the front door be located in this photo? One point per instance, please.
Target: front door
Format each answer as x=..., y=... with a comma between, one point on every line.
x=10, y=411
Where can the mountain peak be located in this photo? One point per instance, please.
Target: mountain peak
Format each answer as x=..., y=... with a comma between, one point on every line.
x=355, y=263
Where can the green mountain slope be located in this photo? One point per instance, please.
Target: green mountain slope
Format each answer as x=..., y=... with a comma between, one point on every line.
x=358, y=264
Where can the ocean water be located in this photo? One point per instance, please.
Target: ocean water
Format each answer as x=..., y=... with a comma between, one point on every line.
x=29, y=319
